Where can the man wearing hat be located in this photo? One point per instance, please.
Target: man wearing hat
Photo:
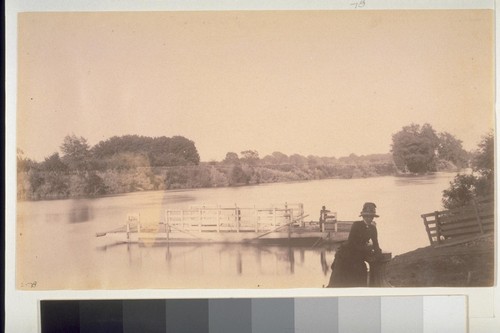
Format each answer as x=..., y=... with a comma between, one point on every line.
x=349, y=267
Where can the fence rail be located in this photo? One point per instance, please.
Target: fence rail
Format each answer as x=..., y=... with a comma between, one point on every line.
x=460, y=224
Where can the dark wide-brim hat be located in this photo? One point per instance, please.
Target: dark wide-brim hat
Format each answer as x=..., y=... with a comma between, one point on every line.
x=369, y=209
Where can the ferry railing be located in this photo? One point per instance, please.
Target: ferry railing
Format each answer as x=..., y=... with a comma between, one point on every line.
x=231, y=219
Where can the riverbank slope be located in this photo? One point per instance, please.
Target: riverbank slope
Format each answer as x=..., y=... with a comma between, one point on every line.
x=470, y=264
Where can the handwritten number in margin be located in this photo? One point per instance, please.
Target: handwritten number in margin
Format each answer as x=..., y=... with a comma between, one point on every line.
x=359, y=4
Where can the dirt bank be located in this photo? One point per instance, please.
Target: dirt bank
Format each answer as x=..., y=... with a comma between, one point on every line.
x=470, y=264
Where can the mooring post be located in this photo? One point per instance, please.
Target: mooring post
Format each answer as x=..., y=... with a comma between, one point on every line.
x=256, y=218
x=438, y=226
x=218, y=218
x=427, y=229
x=238, y=218
x=478, y=216
x=274, y=217
x=301, y=213
x=376, y=277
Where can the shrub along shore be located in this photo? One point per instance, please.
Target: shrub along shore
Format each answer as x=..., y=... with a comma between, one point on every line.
x=36, y=184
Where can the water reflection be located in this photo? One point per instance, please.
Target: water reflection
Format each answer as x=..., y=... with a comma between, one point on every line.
x=428, y=179
x=415, y=179
x=227, y=259
x=324, y=263
x=80, y=212
x=239, y=263
x=174, y=197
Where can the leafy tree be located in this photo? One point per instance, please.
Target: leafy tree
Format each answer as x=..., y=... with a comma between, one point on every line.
x=298, y=160
x=176, y=178
x=268, y=160
x=251, y=157
x=484, y=156
x=36, y=180
x=55, y=186
x=24, y=163
x=352, y=159
x=484, y=164
x=460, y=192
x=231, y=158
x=200, y=177
x=464, y=188
x=276, y=158
x=450, y=149
x=280, y=158
x=238, y=176
x=414, y=148
x=186, y=149
x=122, y=144
x=76, y=152
x=94, y=185
x=53, y=163
x=160, y=151
x=123, y=161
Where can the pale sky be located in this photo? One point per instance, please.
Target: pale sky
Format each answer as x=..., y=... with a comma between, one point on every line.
x=326, y=83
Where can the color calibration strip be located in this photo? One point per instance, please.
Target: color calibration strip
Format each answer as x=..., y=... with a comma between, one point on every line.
x=409, y=314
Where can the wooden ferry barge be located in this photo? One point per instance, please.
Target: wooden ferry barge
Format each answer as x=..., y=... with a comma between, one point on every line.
x=215, y=224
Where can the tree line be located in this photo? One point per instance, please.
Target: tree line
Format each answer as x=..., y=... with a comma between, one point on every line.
x=109, y=167
x=419, y=149
x=134, y=163
x=131, y=163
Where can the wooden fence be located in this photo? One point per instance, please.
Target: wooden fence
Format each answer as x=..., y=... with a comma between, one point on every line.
x=460, y=224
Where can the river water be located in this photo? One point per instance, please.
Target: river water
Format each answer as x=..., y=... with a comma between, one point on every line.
x=57, y=247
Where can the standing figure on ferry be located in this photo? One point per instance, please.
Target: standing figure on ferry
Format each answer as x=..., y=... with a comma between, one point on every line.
x=323, y=213
x=349, y=266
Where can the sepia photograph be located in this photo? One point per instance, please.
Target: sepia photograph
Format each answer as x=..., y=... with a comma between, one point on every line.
x=255, y=149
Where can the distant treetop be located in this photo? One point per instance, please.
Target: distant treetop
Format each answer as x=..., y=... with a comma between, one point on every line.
x=161, y=151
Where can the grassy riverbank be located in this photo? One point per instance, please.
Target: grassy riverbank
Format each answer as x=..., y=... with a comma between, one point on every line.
x=470, y=264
